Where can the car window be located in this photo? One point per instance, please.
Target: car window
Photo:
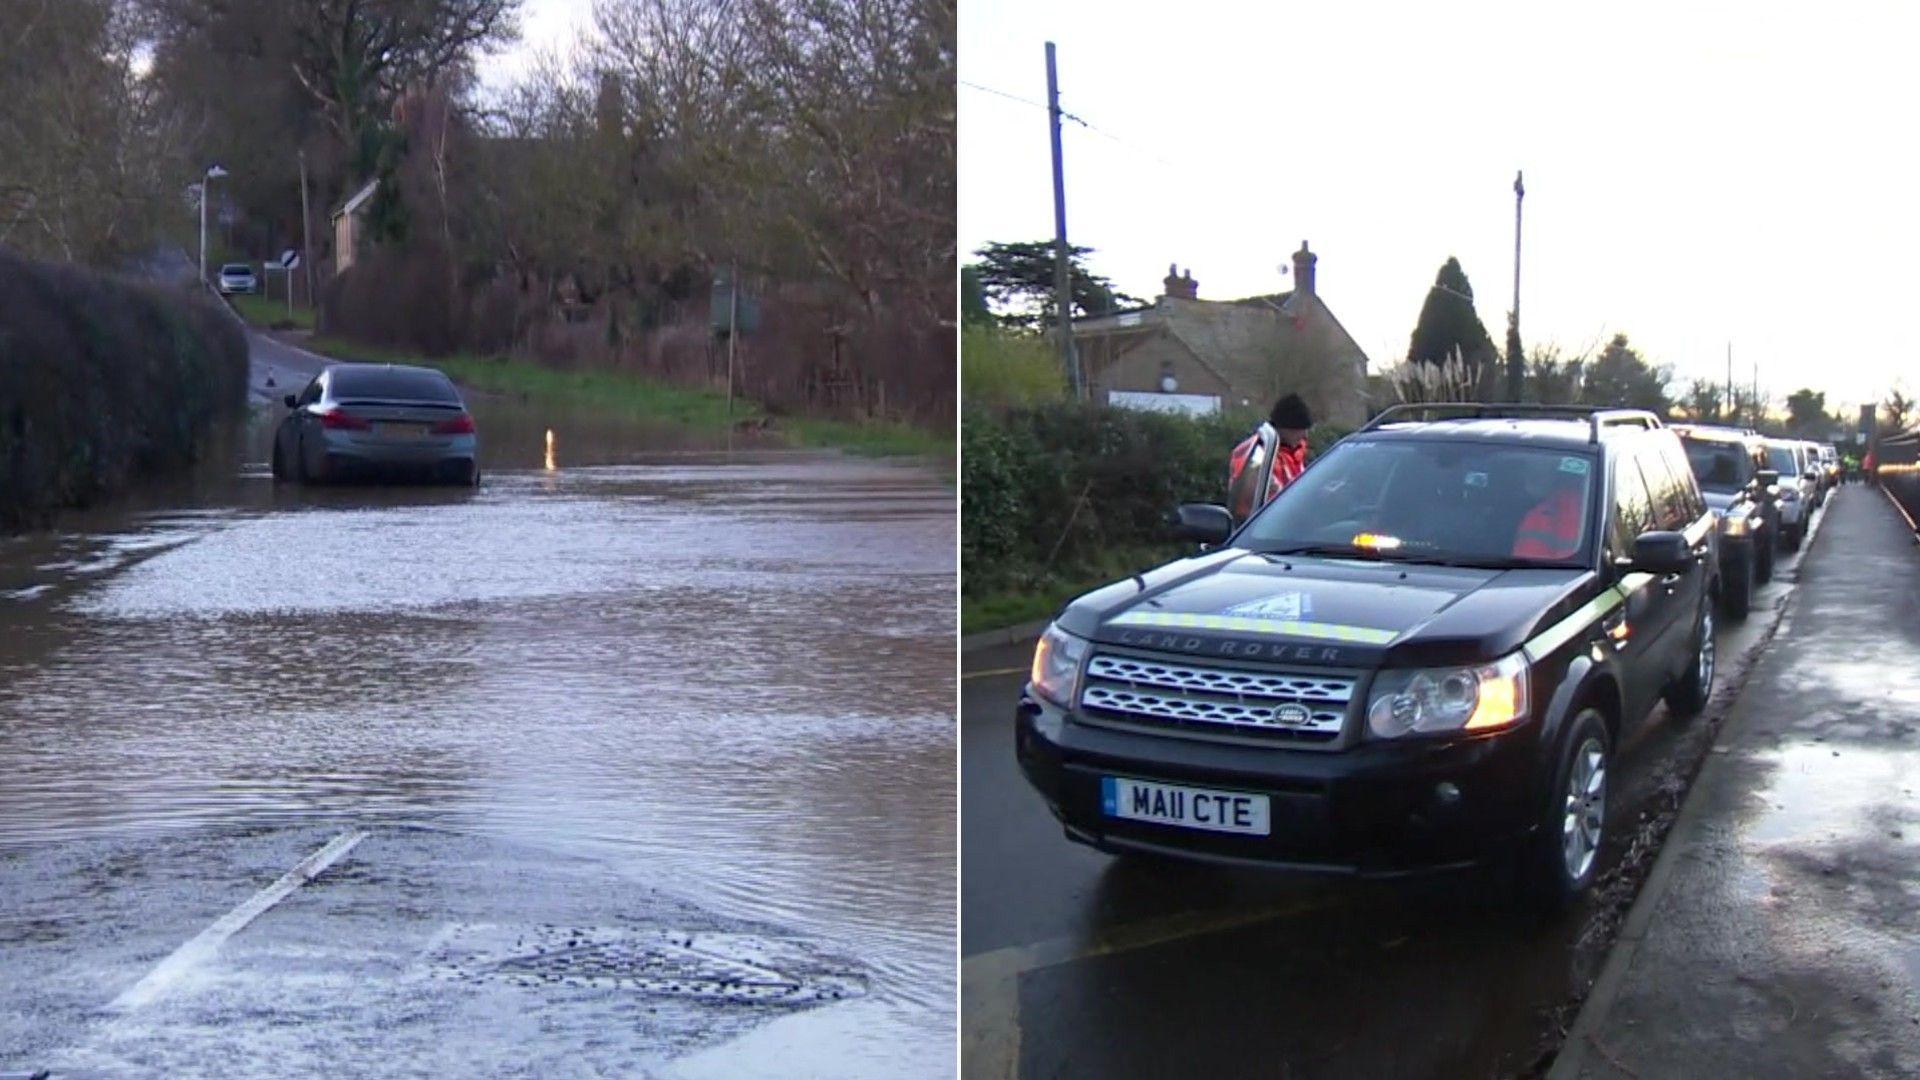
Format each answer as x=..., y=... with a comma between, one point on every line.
x=1632, y=504
x=311, y=394
x=1666, y=490
x=393, y=384
x=1692, y=504
x=1783, y=461
x=1435, y=499
x=1719, y=466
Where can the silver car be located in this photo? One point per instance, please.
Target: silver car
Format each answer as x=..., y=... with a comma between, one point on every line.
x=1798, y=485
x=377, y=421
x=238, y=278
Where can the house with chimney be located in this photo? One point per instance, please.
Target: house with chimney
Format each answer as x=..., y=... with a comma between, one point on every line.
x=1183, y=353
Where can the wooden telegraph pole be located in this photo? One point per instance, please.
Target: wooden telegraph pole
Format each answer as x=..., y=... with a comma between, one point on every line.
x=1062, y=255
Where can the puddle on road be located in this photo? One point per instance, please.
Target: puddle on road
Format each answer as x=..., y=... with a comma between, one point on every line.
x=734, y=675
x=1820, y=791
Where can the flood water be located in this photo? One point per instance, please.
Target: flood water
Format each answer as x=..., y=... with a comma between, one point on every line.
x=728, y=674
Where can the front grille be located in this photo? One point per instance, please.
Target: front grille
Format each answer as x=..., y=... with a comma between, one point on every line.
x=1275, y=706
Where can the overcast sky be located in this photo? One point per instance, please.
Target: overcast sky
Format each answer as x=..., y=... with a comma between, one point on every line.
x=1731, y=172
x=545, y=25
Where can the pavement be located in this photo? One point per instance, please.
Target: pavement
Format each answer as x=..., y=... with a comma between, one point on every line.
x=1776, y=935
x=1074, y=963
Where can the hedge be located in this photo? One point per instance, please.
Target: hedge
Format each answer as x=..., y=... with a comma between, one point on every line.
x=104, y=381
x=1077, y=493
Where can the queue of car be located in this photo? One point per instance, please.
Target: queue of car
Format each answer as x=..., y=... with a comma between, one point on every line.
x=1422, y=653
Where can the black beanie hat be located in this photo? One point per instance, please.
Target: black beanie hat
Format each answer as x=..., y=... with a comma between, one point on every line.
x=1291, y=412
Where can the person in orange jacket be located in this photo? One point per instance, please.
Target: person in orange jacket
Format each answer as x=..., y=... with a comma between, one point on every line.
x=1553, y=528
x=1282, y=443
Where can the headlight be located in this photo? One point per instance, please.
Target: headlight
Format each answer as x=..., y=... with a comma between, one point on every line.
x=1428, y=701
x=1056, y=665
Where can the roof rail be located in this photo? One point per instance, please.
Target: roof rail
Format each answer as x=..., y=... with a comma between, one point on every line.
x=1597, y=417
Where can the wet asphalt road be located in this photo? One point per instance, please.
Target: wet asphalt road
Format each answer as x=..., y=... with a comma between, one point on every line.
x=649, y=757
x=1784, y=921
x=1075, y=964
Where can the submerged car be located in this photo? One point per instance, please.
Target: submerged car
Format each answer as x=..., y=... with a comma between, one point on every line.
x=377, y=421
x=1735, y=478
x=1421, y=655
x=238, y=278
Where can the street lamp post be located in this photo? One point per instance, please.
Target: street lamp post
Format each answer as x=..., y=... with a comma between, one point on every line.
x=212, y=174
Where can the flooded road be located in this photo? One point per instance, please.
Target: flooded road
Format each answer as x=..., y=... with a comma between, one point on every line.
x=727, y=677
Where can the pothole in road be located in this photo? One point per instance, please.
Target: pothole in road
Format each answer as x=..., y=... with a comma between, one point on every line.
x=690, y=964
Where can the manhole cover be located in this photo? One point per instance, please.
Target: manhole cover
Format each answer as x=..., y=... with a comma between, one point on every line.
x=698, y=964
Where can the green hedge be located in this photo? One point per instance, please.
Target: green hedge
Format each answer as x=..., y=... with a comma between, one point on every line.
x=1024, y=472
x=104, y=381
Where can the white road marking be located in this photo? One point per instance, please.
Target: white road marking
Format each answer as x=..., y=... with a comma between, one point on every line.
x=208, y=941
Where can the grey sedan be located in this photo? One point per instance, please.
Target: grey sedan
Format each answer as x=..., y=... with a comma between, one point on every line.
x=377, y=421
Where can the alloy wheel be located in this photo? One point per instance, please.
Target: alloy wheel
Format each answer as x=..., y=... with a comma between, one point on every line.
x=1705, y=659
x=1586, y=808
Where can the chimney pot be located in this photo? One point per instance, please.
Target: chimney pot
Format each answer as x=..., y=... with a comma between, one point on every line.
x=1180, y=284
x=1303, y=261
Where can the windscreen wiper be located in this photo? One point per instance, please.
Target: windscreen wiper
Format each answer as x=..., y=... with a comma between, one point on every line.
x=1344, y=551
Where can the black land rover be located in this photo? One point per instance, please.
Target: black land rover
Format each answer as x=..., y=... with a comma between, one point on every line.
x=1419, y=656
x=1737, y=479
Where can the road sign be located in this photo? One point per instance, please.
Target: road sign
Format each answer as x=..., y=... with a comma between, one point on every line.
x=289, y=259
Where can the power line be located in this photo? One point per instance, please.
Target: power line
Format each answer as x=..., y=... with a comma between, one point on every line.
x=1065, y=115
x=1002, y=93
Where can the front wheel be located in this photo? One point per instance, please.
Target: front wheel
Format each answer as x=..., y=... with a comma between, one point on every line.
x=1559, y=861
x=1793, y=537
x=1689, y=696
x=1763, y=568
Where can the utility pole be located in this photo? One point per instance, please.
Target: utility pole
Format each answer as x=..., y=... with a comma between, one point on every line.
x=306, y=230
x=214, y=172
x=1516, y=363
x=1758, y=412
x=733, y=333
x=1062, y=255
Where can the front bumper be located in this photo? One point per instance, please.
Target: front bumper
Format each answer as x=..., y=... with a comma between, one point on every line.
x=1379, y=808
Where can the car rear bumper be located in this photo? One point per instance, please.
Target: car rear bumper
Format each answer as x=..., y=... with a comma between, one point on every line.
x=355, y=454
x=1377, y=809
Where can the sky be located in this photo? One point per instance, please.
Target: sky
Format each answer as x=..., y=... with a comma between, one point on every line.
x=1696, y=175
x=545, y=26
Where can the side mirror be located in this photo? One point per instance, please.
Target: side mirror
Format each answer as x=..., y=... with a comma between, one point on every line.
x=1661, y=552
x=1768, y=477
x=1204, y=523
x=292, y=401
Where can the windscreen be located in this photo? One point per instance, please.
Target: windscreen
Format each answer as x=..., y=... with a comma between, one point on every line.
x=393, y=384
x=1781, y=458
x=1719, y=466
x=1440, y=500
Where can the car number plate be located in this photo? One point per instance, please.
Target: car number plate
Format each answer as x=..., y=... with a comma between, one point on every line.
x=401, y=431
x=1186, y=807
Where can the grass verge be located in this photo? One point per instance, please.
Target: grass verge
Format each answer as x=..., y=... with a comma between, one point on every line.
x=641, y=398
x=260, y=311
